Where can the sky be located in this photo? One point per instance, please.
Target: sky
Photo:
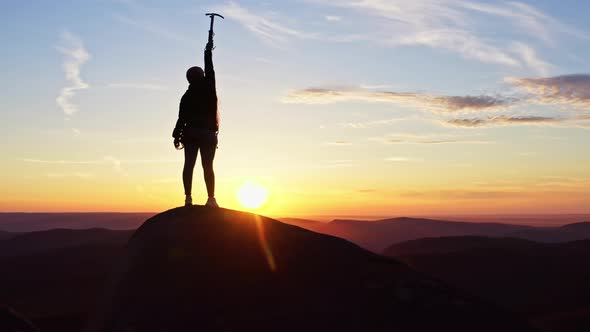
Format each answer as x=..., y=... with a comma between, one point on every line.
x=352, y=107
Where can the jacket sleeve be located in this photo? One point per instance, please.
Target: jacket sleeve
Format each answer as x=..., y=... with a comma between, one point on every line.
x=209, y=72
x=180, y=122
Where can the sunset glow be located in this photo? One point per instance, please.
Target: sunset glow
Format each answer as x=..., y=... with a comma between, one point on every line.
x=377, y=108
x=252, y=196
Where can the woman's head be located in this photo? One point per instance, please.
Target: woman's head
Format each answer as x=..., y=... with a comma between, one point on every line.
x=194, y=74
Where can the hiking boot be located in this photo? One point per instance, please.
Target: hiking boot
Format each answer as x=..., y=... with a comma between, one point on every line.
x=212, y=202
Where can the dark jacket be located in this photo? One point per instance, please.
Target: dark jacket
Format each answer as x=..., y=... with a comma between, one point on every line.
x=198, y=105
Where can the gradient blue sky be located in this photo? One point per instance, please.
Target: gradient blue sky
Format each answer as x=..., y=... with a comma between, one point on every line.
x=338, y=107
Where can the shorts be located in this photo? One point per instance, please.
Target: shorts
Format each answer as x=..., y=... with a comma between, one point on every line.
x=199, y=136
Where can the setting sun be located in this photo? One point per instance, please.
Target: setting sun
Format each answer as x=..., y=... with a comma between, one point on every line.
x=252, y=195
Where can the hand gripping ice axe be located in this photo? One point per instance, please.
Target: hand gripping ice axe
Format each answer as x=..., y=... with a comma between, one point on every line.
x=211, y=34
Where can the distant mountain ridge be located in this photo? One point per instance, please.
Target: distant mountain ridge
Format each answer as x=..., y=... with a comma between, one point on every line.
x=585, y=225
x=42, y=266
x=565, y=233
x=7, y=235
x=28, y=222
x=376, y=235
x=546, y=281
x=44, y=241
x=451, y=244
x=54, y=277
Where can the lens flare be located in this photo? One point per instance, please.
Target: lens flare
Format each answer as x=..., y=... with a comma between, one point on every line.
x=252, y=196
x=264, y=244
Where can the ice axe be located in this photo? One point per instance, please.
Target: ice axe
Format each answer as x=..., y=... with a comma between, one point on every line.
x=211, y=34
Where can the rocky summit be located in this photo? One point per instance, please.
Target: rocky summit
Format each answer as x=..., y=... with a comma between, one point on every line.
x=205, y=269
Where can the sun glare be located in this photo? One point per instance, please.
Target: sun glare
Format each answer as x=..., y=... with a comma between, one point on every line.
x=252, y=196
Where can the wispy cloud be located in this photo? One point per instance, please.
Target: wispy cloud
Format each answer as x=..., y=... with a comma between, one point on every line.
x=460, y=27
x=370, y=124
x=334, y=95
x=339, y=143
x=462, y=42
x=536, y=23
x=459, y=103
x=375, y=86
x=333, y=18
x=455, y=25
x=556, y=181
x=572, y=90
x=263, y=26
x=431, y=102
x=409, y=138
x=463, y=194
x=75, y=56
x=504, y=121
x=116, y=163
x=530, y=58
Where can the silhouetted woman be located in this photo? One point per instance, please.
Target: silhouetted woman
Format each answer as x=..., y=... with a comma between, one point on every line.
x=198, y=125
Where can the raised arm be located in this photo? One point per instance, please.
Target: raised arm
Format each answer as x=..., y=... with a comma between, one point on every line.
x=209, y=72
x=210, y=77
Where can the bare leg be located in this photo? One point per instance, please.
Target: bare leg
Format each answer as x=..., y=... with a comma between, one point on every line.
x=207, y=156
x=190, y=157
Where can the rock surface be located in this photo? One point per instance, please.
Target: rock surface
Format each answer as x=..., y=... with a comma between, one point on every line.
x=11, y=321
x=203, y=269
